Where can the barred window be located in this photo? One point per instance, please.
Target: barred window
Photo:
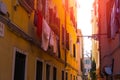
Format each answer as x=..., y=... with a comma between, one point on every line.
x=27, y=4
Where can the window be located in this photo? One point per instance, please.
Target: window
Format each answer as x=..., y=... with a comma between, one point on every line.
x=74, y=78
x=39, y=71
x=47, y=72
x=19, y=70
x=54, y=73
x=43, y=6
x=81, y=62
x=71, y=77
x=63, y=35
x=74, y=50
x=62, y=75
x=51, y=15
x=66, y=78
x=67, y=40
x=59, y=52
x=54, y=21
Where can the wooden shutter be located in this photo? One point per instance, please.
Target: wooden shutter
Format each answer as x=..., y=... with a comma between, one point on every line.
x=50, y=15
x=71, y=13
x=67, y=41
x=74, y=50
x=43, y=7
x=63, y=33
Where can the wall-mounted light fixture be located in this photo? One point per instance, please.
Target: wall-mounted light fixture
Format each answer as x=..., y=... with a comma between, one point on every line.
x=16, y=5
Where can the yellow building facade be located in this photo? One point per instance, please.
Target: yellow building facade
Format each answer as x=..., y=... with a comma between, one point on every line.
x=28, y=54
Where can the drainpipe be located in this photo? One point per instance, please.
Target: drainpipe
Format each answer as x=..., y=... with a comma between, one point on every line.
x=65, y=38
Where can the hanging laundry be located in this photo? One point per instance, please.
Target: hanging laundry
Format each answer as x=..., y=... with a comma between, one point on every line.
x=45, y=35
x=55, y=47
x=38, y=22
x=54, y=43
x=118, y=11
x=51, y=38
x=35, y=18
x=113, y=23
x=51, y=43
x=109, y=6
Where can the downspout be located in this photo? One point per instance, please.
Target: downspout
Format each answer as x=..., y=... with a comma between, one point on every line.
x=65, y=38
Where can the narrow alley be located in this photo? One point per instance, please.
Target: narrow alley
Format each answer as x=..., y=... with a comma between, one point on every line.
x=59, y=39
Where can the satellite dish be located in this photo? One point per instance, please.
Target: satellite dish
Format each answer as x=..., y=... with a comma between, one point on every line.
x=108, y=70
x=3, y=8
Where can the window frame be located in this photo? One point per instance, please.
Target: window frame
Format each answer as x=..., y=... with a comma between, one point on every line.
x=14, y=56
x=54, y=67
x=38, y=59
x=62, y=74
x=47, y=63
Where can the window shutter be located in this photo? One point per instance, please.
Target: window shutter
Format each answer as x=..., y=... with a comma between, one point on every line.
x=50, y=15
x=43, y=7
x=67, y=41
x=63, y=33
x=71, y=13
x=74, y=50
x=59, y=53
